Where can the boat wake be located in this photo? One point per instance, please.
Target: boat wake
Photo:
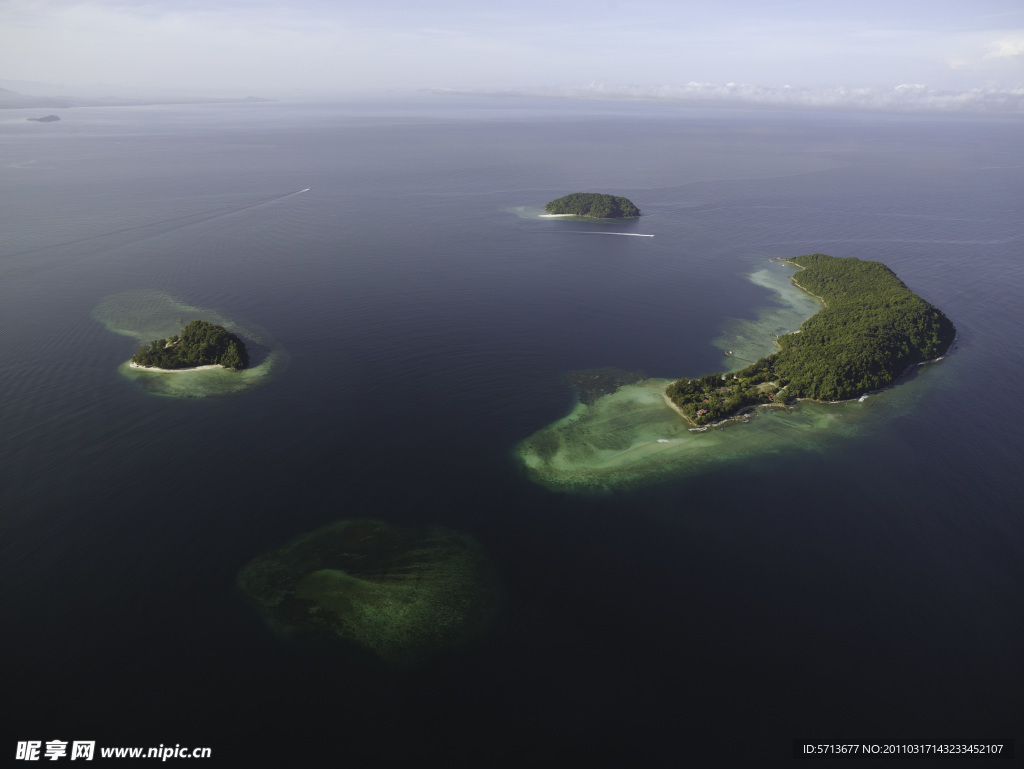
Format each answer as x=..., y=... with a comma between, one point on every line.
x=164, y=226
x=624, y=234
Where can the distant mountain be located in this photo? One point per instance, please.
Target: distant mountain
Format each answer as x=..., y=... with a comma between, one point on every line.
x=14, y=100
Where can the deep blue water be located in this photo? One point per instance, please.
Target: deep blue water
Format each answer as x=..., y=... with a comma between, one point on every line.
x=869, y=591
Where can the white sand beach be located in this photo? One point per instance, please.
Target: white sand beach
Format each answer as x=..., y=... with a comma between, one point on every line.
x=174, y=370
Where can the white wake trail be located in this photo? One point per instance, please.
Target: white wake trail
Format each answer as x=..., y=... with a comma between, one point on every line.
x=624, y=234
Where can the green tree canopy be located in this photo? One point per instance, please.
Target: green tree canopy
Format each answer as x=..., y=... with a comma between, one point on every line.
x=871, y=329
x=200, y=344
x=594, y=205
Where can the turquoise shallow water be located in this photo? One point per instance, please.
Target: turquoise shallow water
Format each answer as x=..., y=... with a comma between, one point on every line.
x=633, y=436
x=850, y=571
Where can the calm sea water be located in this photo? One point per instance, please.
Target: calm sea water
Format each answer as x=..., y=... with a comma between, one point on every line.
x=865, y=589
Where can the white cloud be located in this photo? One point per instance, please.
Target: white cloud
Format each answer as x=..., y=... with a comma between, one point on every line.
x=285, y=44
x=1006, y=47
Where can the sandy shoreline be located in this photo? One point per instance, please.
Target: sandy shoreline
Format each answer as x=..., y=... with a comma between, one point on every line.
x=797, y=284
x=175, y=370
x=675, y=408
x=584, y=216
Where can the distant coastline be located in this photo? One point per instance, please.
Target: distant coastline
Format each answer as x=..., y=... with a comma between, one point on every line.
x=14, y=100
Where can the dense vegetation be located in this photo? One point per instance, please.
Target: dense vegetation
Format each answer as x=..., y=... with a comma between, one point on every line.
x=593, y=204
x=871, y=329
x=199, y=344
x=712, y=397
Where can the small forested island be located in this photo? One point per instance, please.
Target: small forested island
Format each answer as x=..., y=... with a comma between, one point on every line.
x=199, y=344
x=46, y=119
x=870, y=330
x=594, y=205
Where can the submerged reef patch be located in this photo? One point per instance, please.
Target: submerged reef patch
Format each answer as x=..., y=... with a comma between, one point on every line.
x=597, y=382
x=402, y=593
x=633, y=437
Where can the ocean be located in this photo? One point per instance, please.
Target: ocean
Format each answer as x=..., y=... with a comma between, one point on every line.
x=857, y=576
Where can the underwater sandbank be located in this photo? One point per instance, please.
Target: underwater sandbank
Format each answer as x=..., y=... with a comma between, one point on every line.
x=634, y=437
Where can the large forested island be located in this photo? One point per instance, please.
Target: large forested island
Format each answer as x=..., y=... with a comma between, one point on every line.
x=594, y=205
x=199, y=344
x=870, y=330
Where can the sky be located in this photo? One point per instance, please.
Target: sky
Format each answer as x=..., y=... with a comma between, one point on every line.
x=618, y=48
